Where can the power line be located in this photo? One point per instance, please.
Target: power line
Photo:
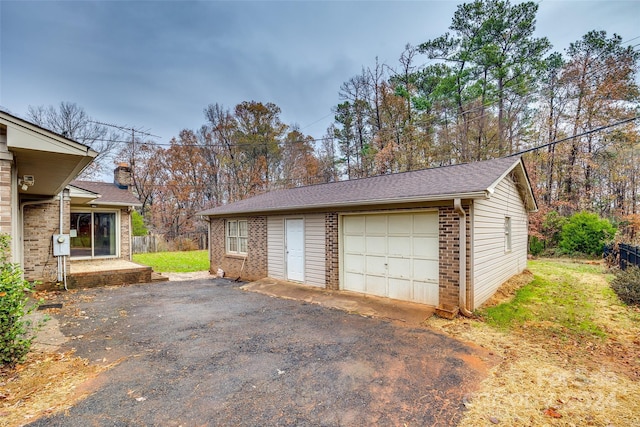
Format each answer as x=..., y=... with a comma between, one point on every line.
x=125, y=128
x=598, y=129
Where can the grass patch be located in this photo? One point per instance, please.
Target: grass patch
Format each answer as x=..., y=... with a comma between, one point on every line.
x=175, y=262
x=579, y=356
x=558, y=300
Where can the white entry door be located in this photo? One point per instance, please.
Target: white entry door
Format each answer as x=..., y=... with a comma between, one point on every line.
x=392, y=255
x=294, y=248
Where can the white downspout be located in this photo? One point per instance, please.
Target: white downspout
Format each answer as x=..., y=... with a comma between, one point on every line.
x=462, y=239
x=62, y=260
x=60, y=274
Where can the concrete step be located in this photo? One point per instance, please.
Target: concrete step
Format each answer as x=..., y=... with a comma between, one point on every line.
x=157, y=277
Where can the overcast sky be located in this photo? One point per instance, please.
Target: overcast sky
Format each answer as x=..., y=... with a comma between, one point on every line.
x=155, y=65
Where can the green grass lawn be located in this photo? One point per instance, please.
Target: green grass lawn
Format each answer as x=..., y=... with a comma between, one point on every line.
x=564, y=298
x=175, y=262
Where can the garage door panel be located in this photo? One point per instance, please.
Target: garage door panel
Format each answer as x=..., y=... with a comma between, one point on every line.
x=376, y=244
x=399, y=267
x=353, y=225
x=399, y=245
x=376, y=225
x=354, y=263
x=425, y=223
x=354, y=282
x=399, y=224
x=376, y=285
x=400, y=289
x=426, y=293
x=354, y=244
x=376, y=265
x=425, y=247
x=425, y=270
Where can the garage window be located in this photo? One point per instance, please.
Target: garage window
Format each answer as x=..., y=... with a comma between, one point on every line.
x=507, y=234
x=236, y=236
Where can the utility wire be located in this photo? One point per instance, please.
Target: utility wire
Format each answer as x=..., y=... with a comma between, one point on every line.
x=598, y=129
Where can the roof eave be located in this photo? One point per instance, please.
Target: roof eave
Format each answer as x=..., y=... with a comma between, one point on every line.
x=126, y=204
x=529, y=198
x=374, y=202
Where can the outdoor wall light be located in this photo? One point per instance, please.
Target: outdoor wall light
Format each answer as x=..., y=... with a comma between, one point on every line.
x=26, y=181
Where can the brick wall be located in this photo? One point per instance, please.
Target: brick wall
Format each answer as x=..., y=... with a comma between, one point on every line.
x=216, y=244
x=256, y=263
x=332, y=260
x=41, y=222
x=449, y=255
x=125, y=234
x=253, y=266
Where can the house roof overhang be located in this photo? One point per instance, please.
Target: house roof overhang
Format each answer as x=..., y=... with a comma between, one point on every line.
x=102, y=194
x=51, y=159
x=81, y=196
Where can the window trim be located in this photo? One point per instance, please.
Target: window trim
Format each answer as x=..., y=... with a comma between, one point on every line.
x=239, y=239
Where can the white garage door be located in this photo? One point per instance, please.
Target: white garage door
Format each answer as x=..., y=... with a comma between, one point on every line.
x=393, y=255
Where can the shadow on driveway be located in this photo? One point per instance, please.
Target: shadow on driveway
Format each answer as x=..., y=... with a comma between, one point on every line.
x=204, y=352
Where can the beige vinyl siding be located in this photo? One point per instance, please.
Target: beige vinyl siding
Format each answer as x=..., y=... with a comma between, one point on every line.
x=314, y=250
x=492, y=263
x=275, y=247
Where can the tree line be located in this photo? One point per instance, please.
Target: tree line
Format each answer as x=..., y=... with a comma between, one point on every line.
x=487, y=88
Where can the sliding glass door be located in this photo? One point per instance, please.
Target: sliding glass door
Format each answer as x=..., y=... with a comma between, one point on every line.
x=93, y=234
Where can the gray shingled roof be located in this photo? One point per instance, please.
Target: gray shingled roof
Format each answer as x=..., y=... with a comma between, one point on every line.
x=471, y=180
x=110, y=193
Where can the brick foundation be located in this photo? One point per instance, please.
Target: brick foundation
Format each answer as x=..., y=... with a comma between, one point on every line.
x=109, y=278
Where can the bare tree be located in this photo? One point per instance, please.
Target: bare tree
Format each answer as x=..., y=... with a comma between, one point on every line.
x=71, y=121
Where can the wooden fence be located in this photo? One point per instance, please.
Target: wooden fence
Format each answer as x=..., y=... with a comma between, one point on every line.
x=158, y=243
x=144, y=244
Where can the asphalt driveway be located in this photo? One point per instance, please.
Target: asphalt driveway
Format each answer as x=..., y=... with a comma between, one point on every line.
x=206, y=353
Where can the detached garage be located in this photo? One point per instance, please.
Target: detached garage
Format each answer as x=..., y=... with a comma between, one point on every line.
x=442, y=236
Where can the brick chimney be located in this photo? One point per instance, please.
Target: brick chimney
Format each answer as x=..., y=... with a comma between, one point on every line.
x=122, y=176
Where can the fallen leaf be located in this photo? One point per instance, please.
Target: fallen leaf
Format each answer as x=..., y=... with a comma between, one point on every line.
x=552, y=412
x=494, y=420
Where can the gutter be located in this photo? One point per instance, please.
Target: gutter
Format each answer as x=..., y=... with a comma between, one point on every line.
x=462, y=250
